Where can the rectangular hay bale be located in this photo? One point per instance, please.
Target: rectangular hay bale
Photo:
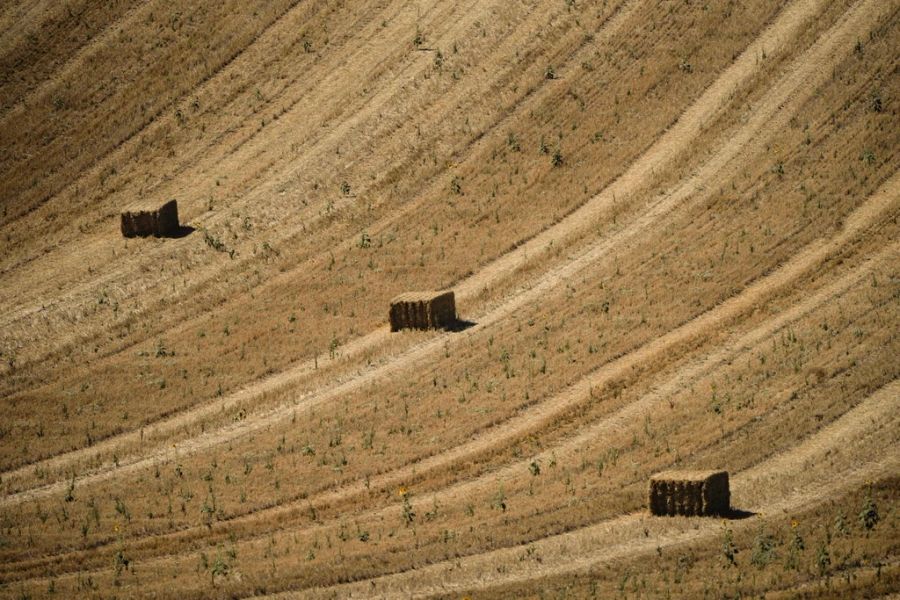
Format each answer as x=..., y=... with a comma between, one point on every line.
x=423, y=310
x=690, y=493
x=161, y=222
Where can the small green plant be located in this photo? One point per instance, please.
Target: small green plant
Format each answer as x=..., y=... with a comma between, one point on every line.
x=70, y=490
x=121, y=563
x=216, y=244
x=797, y=542
x=823, y=559
x=840, y=525
x=345, y=188
x=123, y=510
x=763, y=549
x=161, y=351
x=557, y=159
x=875, y=103
x=409, y=515
x=729, y=549
x=796, y=546
x=550, y=72
x=499, y=501
x=543, y=148
x=219, y=568
x=868, y=516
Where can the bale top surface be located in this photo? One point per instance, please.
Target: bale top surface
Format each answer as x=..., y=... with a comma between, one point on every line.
x=419, y=296
x=686, y=475
x=146, y=206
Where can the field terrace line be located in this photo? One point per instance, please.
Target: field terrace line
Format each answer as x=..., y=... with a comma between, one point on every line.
x=615, y=19
x=410, y=70
x=479, y=571
x=856, y=425
x=804, y=261
x=805, y=70
x=613, y=23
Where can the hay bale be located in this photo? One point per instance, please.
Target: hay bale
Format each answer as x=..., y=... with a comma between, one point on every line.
x=690, y=493
x=160, y=222
x=423, y=310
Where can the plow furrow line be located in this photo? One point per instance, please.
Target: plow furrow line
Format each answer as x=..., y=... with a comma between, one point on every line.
x=874, y=421
x=545, y=413
x=800, y=81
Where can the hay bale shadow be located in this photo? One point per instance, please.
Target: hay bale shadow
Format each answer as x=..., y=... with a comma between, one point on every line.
x=737, y=514
x=182, y=231
x=460, y=325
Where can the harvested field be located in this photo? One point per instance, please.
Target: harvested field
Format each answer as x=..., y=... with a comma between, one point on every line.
x=672, y=230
